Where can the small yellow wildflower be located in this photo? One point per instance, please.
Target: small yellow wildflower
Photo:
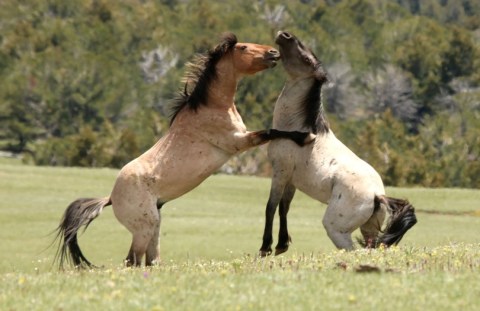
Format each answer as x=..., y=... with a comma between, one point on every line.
x=21, y=280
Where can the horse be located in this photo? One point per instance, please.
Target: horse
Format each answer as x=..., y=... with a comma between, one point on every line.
x=205, y=131
x=325, y=170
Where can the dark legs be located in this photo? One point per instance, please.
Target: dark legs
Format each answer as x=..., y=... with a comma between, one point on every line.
x=284, y=238
x=283, y=195
x=266, y=248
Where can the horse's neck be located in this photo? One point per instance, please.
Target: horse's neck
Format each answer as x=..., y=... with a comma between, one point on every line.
x=220, y=100
x=221, y=92
x=289, y=113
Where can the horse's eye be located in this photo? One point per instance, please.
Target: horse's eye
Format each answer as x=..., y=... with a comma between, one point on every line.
x=243, y=48
x=307, y=60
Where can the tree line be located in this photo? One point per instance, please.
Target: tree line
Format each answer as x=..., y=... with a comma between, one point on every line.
x=89, y=82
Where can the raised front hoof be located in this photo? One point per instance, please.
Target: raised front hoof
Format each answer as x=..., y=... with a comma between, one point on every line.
x=265, y=253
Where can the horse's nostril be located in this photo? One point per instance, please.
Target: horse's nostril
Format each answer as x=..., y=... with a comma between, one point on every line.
x=274, y=52
x=286, y=35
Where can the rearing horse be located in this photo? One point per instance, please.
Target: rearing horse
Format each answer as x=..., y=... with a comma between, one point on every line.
x=206, y=130
x=326, y=170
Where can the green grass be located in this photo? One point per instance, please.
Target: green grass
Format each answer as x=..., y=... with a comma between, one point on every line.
x=209, y=242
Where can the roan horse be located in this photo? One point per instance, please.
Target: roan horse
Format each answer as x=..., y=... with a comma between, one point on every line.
x=325, y=170
x=205, y=131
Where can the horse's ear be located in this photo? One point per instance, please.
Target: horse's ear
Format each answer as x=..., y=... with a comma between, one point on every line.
x=228, y=41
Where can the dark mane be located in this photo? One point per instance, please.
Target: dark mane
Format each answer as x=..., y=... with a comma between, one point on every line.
x=200, y=75
x=314, y=115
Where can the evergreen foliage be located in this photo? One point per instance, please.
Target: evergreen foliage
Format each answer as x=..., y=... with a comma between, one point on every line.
x=88, y=82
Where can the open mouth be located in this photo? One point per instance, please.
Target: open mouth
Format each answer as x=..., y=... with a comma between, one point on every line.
x=272, y=60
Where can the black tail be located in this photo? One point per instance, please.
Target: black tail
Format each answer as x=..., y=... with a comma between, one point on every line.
x=79, y=213
x=401, y=220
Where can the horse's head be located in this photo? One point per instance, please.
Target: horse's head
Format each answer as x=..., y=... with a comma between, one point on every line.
x=250, y=58
x=224, y=64
x=298, y=60
x=245, y=58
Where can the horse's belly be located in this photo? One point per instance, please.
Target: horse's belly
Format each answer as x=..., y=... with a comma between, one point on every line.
x=304, y=169
x=314, y=183
x=175, y=183
x=169, y=174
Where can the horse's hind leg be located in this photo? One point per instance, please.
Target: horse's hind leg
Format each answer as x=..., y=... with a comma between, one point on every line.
x=343, y=216
x=140, y=243
x=372, y=227
x=136, y=209
x=276, y=193
x=337, y=229
x=342, y=240
x=284, y=238
x=267, y=240
x=153, y=251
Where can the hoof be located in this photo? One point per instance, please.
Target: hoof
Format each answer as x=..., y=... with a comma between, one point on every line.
x=265, y=253
x=283, y=247
x=279, y=251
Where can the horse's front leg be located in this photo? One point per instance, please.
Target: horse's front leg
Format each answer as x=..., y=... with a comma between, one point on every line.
x=300, y=138
x=247, y=140
x=284, y=238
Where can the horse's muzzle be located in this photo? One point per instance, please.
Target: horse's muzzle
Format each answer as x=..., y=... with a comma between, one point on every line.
x=271, y=57
x=283, y=36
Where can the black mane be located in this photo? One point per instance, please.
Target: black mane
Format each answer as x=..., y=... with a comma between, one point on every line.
x=314, y=115
x=200, y=75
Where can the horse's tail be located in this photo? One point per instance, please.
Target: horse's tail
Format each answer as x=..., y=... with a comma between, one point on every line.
x=80, y=212
x=402, y=218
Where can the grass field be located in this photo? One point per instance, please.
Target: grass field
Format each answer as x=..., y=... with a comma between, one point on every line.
x=209, y=242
